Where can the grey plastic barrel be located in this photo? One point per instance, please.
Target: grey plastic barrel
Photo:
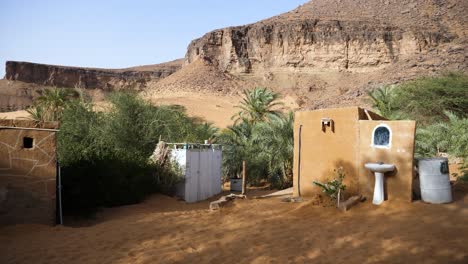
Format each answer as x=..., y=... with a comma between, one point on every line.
x=434, y=180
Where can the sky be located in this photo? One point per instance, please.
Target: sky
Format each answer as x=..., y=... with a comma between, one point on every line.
x=118, y=34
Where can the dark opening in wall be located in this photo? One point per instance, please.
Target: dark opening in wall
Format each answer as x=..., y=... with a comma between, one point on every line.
x=28, y=142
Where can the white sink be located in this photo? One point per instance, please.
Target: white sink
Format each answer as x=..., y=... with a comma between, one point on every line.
x=379, y=169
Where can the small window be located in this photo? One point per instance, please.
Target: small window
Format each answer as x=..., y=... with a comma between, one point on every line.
x=28, y=142
x=382, y=137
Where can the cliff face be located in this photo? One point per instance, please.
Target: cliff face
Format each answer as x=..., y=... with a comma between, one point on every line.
x=62, y=76
x=328, y=53
x=351, y=35
x=311, y=45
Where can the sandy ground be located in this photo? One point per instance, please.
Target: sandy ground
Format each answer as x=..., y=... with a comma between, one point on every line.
x=164, y=230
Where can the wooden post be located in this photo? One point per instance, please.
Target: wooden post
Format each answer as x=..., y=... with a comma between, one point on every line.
x=244, y=178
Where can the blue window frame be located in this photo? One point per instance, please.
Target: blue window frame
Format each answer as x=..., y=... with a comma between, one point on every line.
x=382, y=136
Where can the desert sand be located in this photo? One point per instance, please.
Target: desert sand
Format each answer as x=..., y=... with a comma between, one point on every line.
x=165, y=230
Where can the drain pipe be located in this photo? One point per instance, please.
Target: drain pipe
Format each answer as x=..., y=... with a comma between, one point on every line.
x=299, y=163
x=59, y=176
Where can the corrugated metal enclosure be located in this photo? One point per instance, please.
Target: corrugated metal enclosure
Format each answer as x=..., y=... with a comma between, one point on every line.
x=201, y=169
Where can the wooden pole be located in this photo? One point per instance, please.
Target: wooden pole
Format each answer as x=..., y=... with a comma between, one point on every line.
x=244, y=178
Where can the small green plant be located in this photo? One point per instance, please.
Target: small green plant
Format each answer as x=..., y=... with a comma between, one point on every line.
x=334, y=187
x=463, y=175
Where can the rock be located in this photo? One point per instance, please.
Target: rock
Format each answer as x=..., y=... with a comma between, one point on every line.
x=345, y=206
x=75, y=77
x=224, y=200
x=312, y=41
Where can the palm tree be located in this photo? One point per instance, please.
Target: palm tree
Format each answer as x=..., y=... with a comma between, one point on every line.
x=236, y=141
x=275, y=139
x=383, y=101
x=432, y=140
x=50, y=105
x=257, y=105
x=450, y=137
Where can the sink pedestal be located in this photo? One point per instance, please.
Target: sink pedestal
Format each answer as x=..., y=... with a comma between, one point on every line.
x=378, y=188
x=379, y=169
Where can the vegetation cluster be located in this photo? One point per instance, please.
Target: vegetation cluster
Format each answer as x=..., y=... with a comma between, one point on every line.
x=439, y=105
x=262, y=136
x=104, y=156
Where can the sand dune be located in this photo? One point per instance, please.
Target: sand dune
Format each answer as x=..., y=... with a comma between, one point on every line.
x=164, y=230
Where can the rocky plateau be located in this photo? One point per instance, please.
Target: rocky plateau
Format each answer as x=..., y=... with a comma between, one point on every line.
x=324, y=53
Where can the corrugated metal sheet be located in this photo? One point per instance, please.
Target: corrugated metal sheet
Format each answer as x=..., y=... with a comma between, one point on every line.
x=202, y=172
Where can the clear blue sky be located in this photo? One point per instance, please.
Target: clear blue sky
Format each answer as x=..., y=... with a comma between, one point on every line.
x=115, y=34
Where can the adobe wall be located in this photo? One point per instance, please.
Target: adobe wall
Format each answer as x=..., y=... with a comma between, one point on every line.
x=400, y=153
x=27, y=175
x=349, y=145
x=323, y=152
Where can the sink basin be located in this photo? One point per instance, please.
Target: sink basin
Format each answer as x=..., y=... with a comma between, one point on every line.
x=379, y=169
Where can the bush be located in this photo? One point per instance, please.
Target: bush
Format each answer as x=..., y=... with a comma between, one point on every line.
x=438, y=104
x=425, y=99
x=108, y=182
x=105, y=155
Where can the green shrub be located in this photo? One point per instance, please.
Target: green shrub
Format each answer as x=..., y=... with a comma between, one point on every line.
x=105, y=155
x=108, y=182
x=334, y=187
x=438, y=104
x=424, y=99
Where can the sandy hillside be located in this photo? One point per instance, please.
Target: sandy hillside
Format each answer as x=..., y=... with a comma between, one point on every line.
x=216, y=109
x=164, y=230
x=21, y=114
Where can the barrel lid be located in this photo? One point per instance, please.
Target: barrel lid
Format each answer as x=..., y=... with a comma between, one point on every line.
x=428, y=159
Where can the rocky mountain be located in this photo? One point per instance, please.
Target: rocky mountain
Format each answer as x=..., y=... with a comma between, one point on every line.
x=330, y=51
x=24, y=80
x=76, y=77
x=324, y=53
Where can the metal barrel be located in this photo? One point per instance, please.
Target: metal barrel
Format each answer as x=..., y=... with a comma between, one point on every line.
x=434, y=180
